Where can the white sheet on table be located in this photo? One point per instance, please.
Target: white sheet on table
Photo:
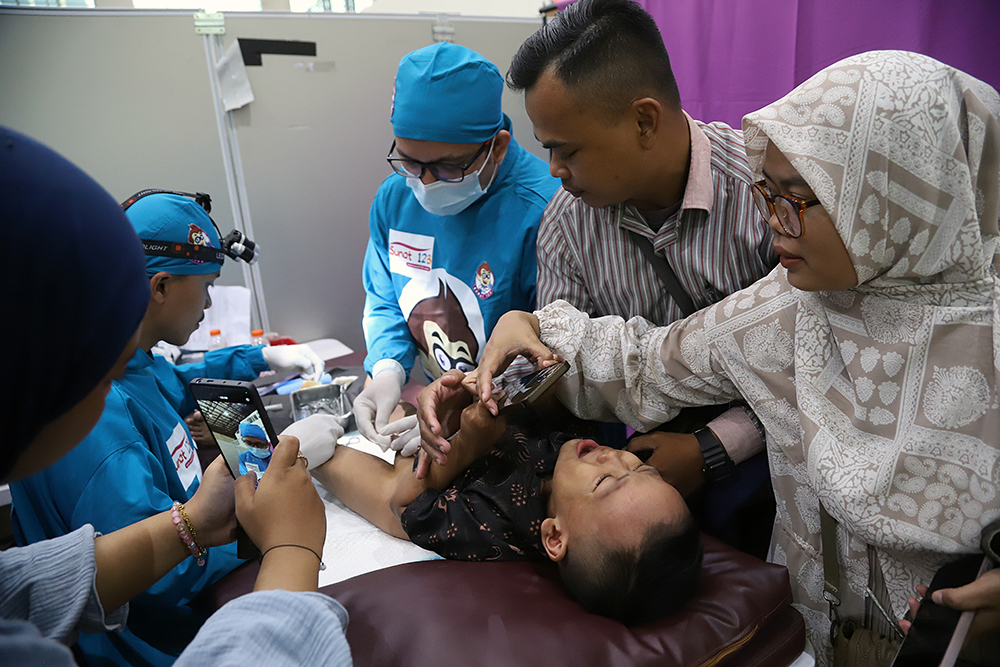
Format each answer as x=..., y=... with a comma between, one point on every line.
x=353, y=545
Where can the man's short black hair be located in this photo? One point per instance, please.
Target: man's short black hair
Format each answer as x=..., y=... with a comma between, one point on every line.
x=638, y=585
x=609, y=49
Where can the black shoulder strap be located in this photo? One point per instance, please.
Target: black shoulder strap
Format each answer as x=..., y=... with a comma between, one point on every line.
x=666, y=274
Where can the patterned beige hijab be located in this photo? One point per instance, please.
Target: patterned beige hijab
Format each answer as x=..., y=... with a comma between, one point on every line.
x=896, y=380
x=902, y=152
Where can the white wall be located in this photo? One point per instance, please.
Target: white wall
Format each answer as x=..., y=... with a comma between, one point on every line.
x=126, y=95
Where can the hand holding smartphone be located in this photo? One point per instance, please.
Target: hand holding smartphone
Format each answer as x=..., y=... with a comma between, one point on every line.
x=239, y=424
x=937, y=634
x=527, y=389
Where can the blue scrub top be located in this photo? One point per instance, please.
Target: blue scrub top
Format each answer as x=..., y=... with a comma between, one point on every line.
x=467, y=269
x=135, y=463
x=250, y=461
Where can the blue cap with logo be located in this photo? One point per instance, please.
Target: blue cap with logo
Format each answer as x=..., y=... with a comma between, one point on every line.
x=173, y=218
x=447, y=93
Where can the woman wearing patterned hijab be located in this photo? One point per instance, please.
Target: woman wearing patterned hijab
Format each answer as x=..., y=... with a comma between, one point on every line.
x=871, y=354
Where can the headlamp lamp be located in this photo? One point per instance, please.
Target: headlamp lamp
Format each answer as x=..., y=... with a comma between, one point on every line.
x=235, y=244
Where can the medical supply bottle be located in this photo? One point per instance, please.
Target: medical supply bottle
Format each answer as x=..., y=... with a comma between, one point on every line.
x=216, y=342
x=257, y=337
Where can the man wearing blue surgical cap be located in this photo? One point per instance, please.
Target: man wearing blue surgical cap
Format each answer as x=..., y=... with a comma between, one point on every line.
x=140, y=457
x=256, y=458
x=452, y=231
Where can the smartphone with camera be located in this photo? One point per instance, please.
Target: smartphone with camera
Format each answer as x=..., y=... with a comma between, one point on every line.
x=937, y=633
x=239, y=424
x=525, y=390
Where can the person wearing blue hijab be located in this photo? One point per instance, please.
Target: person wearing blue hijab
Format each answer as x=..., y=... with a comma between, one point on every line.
x=452, y=231
x=140, y=458
x=78, y=294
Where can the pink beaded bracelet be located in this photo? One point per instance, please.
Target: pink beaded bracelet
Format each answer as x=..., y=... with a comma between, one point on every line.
x=187, y=532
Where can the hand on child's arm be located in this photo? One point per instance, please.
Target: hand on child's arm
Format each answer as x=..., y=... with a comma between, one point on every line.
x=439, y=413
x=479, y=430
x=478, y=433
x=284, y=509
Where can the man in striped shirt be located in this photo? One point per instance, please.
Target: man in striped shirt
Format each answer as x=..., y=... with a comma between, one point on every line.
x=636, y=169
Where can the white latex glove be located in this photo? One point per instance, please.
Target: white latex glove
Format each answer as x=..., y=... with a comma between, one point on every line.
x=288, y=359
x=407, y=442
x=375, y=403
x=318, y=435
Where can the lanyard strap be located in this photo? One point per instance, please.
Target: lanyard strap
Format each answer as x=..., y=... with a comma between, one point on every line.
x=831, y=568
x=666, y=274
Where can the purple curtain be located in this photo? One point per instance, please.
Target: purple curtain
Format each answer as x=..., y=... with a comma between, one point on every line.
x=731, y=57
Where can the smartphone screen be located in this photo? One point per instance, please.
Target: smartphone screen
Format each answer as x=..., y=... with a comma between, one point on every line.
x=526, y=389
x=234, y=414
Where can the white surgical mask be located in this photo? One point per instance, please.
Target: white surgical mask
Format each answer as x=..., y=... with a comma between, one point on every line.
x=443, y=198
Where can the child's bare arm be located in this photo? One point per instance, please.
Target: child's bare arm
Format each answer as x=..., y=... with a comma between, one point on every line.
x=478, y=433
x=365, y=483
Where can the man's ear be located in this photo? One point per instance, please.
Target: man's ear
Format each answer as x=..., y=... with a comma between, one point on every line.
x=159, y=285
x=648, y=116
x=500, y=145
x=554, y=539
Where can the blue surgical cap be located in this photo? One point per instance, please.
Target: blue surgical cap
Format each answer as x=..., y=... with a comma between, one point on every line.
x=73, y=290
x=166, y=217
x=447, y=93
x=253, y=431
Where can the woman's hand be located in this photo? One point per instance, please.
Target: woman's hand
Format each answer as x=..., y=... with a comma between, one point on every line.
x=516, y=333
x=981, y=596
x=211, y=509
x=284, y=508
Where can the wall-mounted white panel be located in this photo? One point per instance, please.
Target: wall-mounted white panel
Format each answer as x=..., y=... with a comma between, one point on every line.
x=127, y=97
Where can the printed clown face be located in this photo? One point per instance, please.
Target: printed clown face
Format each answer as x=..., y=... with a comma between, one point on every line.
x=197, y=236
x=484, y=279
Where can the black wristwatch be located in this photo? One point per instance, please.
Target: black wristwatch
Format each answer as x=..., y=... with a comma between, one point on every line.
x=718, y=465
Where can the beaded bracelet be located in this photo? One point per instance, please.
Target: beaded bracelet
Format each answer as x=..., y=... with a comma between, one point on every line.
x=187, y=532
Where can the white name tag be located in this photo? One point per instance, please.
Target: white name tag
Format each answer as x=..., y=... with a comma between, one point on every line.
x=185, y=459
x=410, y=255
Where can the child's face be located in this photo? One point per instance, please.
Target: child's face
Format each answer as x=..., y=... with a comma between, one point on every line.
x=600, y=491
x=185, y=305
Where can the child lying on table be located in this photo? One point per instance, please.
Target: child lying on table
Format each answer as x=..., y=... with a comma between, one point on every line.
x=508, y=494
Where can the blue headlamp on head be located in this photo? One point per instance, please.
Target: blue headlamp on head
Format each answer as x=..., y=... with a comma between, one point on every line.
x=235, y=244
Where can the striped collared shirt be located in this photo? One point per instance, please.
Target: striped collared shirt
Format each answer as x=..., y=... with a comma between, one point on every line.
x=716, y=243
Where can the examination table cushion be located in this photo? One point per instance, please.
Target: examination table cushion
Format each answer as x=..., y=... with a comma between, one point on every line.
x=517, y=613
